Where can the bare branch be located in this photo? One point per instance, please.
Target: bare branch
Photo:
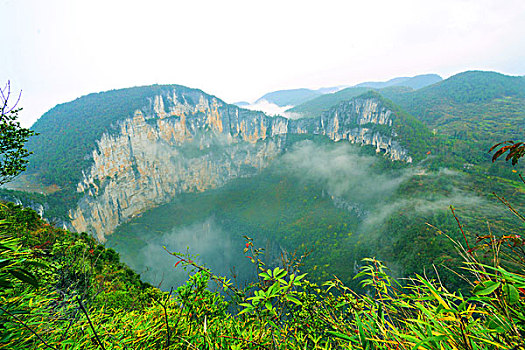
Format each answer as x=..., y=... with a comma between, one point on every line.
x=90, y=324
x=5, y=94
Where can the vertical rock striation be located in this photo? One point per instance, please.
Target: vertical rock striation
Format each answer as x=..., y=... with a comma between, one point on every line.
x=187, y=141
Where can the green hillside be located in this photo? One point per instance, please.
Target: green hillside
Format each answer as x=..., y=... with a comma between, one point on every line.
x=67, y=132
x=62, y=290
x=315, y=106
x=471, y=111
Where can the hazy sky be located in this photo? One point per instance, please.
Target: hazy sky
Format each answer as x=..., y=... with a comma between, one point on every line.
x=57, y=50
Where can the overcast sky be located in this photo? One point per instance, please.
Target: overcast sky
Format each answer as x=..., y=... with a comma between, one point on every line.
x=56, y=51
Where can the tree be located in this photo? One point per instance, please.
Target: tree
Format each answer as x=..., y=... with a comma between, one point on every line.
x=12, y=138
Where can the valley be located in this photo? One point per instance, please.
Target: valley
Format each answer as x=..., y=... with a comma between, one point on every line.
x=357, y=176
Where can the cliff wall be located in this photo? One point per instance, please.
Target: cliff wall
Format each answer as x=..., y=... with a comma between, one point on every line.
x=193, y=142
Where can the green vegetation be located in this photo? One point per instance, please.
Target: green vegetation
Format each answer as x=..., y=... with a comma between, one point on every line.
x=416, y=82
x=410, y=132
x=341, y=214
x=70, y=293
x=469, y=112
x=56, y=205
x=333, y=204
x=316, y=106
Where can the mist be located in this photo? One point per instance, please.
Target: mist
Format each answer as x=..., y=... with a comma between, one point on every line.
x=207, y=243
x=272, y=109
x=354, y=182
x=343, y=172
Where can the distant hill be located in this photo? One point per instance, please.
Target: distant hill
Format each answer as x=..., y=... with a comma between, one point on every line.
x=331, y=90
x=241, y=103
x=295, y=97
x=315, y=107
x=442, y=103
x=291, y=97
x=416, y=82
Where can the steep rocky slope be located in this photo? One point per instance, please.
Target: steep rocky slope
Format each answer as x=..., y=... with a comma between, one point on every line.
x=183, y=140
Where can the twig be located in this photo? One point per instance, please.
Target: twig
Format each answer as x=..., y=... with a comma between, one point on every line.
x=29, y=328
x=508, y=205
x=461, y=229
x=5, y=98
x=166, y=318
x=90, y=324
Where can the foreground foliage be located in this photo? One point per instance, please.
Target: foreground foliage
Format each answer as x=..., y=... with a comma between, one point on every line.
x=85, y=298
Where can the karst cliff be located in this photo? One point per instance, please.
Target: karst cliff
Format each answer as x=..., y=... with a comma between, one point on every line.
x=183, y=140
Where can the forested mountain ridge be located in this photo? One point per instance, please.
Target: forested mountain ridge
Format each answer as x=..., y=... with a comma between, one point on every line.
x=289, y=97
x=185, y=168
x=315, y=106
x=468, y=113
x=74, y=127
x=472, y=110
x=164, y=140
x=431, y=104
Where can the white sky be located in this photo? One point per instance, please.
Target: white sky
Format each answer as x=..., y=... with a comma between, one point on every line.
x=56, y=51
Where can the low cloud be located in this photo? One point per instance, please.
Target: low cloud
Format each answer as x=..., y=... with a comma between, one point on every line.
x=353, y=182
x=432, y=203
x=272, y=109
x=215, y=247
x=342, y=171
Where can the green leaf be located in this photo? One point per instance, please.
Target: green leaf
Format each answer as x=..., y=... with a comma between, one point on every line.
x=5, y=262
x=486, y=288
x=244, y=311
x=300, y=277
x=280, y=274
x=495, y=324
x=341, y=335
x=292, y=299
x=511, y=294
x=282, y=281
x=24, y=276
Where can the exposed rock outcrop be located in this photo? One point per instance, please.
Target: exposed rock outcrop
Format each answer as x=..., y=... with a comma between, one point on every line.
x=190, y=142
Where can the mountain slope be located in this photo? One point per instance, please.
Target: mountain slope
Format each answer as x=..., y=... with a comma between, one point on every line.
x=161, y=141
x=314, y=107
x=474, y=109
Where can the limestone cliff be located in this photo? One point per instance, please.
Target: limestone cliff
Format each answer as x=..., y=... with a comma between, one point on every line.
x=187, y=141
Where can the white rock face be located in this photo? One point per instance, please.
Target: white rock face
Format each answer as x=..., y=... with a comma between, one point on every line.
x=173, y=146
x=147, y=164
x=354, y=121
